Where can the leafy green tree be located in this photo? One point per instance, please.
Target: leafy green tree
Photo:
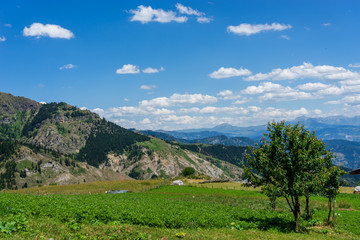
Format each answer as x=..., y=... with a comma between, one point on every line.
x=289, y=162
x=188, y=171
x=23, y=173
x=331, y=185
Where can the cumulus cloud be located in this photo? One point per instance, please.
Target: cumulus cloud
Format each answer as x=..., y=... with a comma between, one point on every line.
x=229, y=72
x=276, y=92
x=225, y=93
x=67, y=66
x=313, y=86
x=187, y=10
x=330, y=91
x=183, y=120
x=306, y=70
x=148, y=14
x=178, y=100
x=250, y=29
x=242, y=100
x=218, y=110
x=355, y=65
x=152, y=70
x=327, y=24
x=2, y=39
x=48, y=30
x=145, y=121
x=228, y=95
x=128, y=69
x=201, y=18
x=351, y=100
x=147, y=87
x=189, y=110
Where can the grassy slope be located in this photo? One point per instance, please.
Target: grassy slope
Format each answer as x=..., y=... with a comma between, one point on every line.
x=165, y=149
x=199, y=212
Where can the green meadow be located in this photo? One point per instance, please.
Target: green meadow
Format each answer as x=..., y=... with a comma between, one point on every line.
x=155, y=210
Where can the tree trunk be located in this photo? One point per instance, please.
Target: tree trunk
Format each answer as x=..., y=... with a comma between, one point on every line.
x=273, y=203
x=329, y=209
x=296, y=214
x=307, y=209
x=334, y=219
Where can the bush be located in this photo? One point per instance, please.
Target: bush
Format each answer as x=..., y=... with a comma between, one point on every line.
x=188, y=171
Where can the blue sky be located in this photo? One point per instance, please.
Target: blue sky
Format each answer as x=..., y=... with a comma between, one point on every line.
x=185, y=64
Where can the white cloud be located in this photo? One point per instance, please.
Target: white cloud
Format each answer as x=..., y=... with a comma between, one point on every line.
x=330, y=91
x=286, y=37
x=218, y=110
x=291, y=95
x=2, y=39
x=148, y=14
x=124, y=122
x=229, y=95
x=178, y=100
x=67, y=66
x=189, y=110
x=48, y=30
x=249, y=29
x=276, y=92
x=145, y=121
x=313, y=86
x=183, y=120
x=327, y=24
x=147, y=87
x=349, y=100
x=242, y=101
x=126, y=100
x=128, y=69
x=225, y=93
x=229, y=72
x=355, y=65
x=8, y=25
x=306, y=70
x=152, y=70
x=187, y=10
x=83, y=108
x=99, y=111
x=264, y=87
x=125, y=111
x=203, y=19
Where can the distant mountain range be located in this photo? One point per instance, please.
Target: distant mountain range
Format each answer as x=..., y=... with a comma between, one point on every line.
x=212, y=140
x=341, y=134
x=336, y=127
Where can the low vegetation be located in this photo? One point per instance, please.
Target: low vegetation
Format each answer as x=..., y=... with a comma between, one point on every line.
x=196, y=211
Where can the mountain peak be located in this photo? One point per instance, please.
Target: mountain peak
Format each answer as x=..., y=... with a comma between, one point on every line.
x=224, y=125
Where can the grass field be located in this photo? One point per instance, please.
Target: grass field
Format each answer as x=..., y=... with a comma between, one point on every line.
x=157, y=211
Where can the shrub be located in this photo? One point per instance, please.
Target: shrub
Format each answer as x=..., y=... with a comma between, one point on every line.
x=188, y=171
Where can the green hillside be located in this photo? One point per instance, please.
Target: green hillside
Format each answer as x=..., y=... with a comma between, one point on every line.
x=57, y=143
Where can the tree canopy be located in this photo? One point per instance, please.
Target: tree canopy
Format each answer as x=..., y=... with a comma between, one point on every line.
x=291, y=162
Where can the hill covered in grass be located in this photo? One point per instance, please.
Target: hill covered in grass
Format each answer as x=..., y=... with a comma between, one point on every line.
x=57, y=143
